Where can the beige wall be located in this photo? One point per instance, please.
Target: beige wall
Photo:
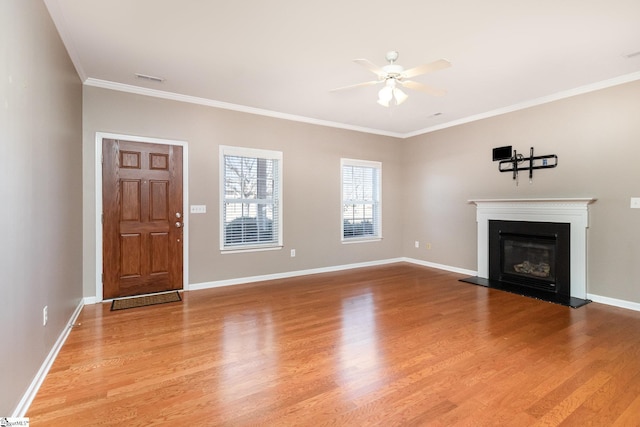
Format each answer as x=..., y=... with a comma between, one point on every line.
x=40, y=170
x=595, y=136
x=597, y=139
x=311, y=193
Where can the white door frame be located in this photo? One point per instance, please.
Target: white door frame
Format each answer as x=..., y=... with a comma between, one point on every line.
x=98, y=189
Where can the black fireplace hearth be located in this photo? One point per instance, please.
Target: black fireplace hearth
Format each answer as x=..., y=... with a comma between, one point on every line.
x=531, y=259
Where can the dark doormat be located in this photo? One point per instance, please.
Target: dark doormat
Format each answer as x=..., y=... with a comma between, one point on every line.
x=568, y=301
x=121, y=304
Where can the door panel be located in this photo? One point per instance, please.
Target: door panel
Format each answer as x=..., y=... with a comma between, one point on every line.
x=160, y=250
x=130, y=249
x=142, y=226
x=130, y=206
x=159, y=204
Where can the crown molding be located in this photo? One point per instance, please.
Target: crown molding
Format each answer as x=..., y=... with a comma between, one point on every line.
x=627, y=78
x=105, y=84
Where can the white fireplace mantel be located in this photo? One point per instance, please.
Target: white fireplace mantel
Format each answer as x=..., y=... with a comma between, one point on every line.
x=569, y=210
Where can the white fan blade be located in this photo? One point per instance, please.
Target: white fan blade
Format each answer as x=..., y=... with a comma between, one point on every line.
x=370, y=66
x=373, y=82
x=422, y=88
x=426, y=68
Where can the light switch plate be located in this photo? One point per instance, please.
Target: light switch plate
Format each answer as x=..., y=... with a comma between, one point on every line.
x=196, y=209
x=635, y=203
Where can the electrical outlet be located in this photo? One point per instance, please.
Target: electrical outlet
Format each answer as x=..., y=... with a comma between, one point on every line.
x=635, y=203
x=196, y=209
x=428, y=246
x=417, y=244
x=293, y=253
x=45, y=315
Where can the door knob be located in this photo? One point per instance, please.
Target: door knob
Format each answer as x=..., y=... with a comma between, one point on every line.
x=178, y=215
x=178, y=224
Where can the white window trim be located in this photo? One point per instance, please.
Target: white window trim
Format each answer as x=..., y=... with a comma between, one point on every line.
x=368, y=164
x=249, y=152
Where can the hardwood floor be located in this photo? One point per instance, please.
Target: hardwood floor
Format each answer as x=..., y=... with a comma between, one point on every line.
x=390, y=345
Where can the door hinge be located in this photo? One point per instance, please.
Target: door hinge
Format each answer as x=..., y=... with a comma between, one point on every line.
x=102, y=218
x=102, y=279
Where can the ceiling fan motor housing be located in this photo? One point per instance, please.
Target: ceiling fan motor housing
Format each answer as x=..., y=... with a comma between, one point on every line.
x=393, y=70
x=392, y=56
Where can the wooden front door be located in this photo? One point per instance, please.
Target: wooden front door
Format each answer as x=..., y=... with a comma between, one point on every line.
x=142, y=218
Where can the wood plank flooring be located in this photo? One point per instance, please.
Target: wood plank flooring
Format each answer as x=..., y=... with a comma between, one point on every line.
x=390, y=345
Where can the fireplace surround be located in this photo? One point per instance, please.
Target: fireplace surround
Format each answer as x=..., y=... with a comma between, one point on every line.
x=569, y=284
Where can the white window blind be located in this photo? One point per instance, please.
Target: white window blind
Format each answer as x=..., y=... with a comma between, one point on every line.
x=361, y=199
x=251, y=181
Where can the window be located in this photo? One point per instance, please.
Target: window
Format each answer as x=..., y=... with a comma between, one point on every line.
x=361, y=211
x=250, y=209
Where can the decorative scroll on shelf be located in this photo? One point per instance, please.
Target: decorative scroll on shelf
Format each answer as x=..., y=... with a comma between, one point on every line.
x=518, y=163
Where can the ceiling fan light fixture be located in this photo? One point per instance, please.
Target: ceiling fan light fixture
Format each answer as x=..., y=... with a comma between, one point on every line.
x=385, y=95
x=400, y=96
x=391, y=92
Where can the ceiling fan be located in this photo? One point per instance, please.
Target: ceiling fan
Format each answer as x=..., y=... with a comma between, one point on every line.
x=394, y=75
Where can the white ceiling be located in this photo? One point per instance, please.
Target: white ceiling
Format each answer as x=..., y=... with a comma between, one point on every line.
x=282, y=57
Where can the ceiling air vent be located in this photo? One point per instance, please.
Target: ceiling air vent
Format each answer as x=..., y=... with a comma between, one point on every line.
x=149, y=78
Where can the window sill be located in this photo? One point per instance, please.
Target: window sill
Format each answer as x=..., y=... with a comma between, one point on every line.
x=361, y=240
x=250, y=249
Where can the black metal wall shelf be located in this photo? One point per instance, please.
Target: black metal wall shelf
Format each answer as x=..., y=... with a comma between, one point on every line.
x=519, y=163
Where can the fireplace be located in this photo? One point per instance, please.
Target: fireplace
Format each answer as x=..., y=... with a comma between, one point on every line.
x=554, y=264
x=531, y=254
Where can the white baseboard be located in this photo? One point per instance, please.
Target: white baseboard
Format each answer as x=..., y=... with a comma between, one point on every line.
x=615, y=302
x=31, y=392
x=441, y=266
x=252, y=279
x=91, y=300
x=288, y=274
